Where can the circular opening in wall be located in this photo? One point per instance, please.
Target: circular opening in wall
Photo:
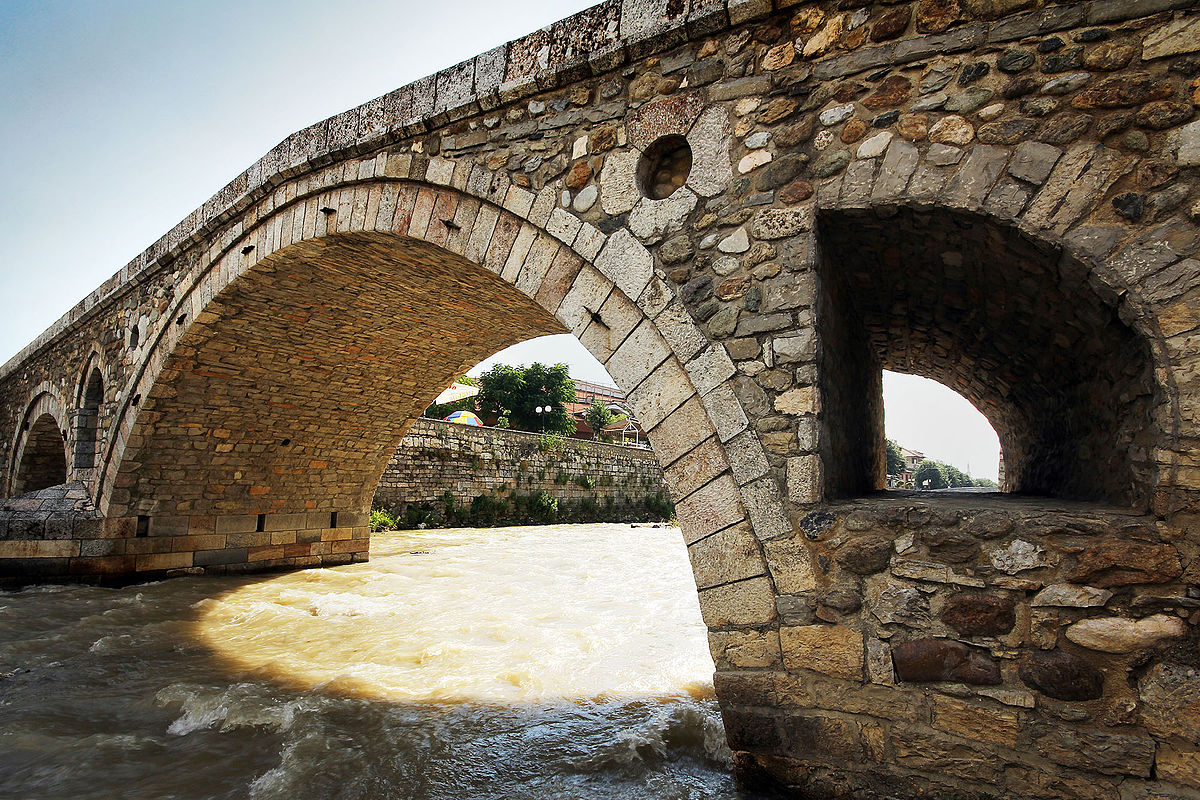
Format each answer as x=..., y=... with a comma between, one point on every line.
x=664, y=166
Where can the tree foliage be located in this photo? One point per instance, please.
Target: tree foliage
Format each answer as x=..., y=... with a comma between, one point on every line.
x=930, y=475
x=598, y=417
x=895, y=461
x=514, y=392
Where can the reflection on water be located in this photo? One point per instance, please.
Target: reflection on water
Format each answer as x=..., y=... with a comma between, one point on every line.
x=547, y=662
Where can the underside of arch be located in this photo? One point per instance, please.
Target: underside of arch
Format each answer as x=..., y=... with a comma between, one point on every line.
x=43, y=459
x=292, y=387
x=1013, y=325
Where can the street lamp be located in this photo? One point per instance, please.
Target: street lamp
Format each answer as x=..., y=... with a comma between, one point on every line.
x=541, y=411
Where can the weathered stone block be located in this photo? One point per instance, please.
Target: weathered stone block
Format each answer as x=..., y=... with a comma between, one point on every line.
x=710, y=508
x=791, y=565
x=726, y=556
x=929, y=660
x=830, y=649
x=1061, y=675
x=748, y=602
x=979, y=615
x=981, y=723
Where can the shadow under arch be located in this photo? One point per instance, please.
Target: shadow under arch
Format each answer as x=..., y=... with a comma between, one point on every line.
x=291, y=362
x=39, y=454
x=292, y=387
x=1019, y=327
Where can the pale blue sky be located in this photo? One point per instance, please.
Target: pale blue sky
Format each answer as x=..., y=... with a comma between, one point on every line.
x=121, y=117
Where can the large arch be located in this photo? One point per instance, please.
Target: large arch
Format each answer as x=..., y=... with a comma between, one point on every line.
x=292, y=365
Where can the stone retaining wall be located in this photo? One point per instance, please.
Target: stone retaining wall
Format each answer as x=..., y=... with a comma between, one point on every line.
x=438, y=457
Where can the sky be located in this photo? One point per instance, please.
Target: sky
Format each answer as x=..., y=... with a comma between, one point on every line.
x=121, y=117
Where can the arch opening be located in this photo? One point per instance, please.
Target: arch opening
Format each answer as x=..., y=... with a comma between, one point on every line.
x=928, y=421
x=664, y=166
x=1017, y=327
x=43, y=459
x=87, y=420
x=333, y=345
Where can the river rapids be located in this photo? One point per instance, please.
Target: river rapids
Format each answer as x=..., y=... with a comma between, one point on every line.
x=563, y=661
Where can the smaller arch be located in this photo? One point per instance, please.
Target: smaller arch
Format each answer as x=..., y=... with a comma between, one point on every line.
x=39, y=451
x=88, y=399
x=43, y=458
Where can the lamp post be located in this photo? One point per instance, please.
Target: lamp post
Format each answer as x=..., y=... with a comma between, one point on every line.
x=541, y=411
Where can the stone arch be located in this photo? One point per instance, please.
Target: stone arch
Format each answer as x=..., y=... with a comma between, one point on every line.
x=39, y=452
x=89, y=398
x=410, y=256
x=1019, y=202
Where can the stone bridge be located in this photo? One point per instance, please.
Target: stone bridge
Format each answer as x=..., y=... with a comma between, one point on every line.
x=746, y=211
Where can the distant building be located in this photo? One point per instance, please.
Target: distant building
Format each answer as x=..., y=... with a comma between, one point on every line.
x=912, y=459
x=627, y=430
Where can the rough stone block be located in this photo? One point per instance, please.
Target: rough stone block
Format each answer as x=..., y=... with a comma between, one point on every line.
x=725, y=556
x=970, y=721
x=745, y=649
x=664, y=390
x=638, y=356
x=714, y=506
x=748, y=602
x=791, y=565
x=697, y=468
x=830, y=649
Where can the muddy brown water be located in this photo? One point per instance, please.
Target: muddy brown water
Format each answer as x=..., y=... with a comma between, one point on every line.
x=532, y=662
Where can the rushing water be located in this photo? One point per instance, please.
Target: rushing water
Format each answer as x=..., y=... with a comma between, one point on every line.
x=540, y=662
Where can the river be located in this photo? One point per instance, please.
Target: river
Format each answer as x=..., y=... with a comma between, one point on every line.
x=561, y=661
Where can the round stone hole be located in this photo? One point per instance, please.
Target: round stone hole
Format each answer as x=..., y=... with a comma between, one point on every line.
x=664, y=166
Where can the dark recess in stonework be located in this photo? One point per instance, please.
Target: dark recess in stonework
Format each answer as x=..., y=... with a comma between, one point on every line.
x=87, y=421
x=1012, y=325
x=44, y=460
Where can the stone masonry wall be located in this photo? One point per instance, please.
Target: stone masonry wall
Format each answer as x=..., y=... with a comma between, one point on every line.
x=436, y=457
x=57, y=534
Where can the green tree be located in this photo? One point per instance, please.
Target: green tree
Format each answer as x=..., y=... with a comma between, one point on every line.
x=929, y=475
x=987, y=483
x=895, y=461
x=598, y=417
x=955, y=477
x=514, y=393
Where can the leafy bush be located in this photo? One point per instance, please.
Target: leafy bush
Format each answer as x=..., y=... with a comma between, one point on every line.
x=382, y=521
x=658, y=506
x=415, y=516
x=543, y=506
x=585, y=481
x=553, y=443
x=485, y=509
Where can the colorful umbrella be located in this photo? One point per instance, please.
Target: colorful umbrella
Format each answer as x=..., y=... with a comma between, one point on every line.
x=463, y=418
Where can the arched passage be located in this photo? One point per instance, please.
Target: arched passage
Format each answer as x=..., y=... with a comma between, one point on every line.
x=43, y=457
x=87, y=417
x=1014, y=325
x=267, y=406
